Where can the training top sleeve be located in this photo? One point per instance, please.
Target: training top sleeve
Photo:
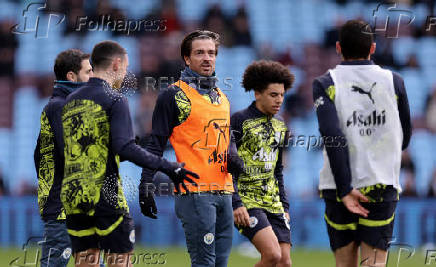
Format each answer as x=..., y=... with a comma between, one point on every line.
x=123, y=139
x=236, y=129
x=329, y=128
x=278, y=174
x=403, y=108
x=37, y=155
x=165, y=118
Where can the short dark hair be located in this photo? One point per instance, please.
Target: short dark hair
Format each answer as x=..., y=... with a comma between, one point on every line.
x=259, y=74
x=103, y=53
x=355, y=38
x=186, y=46
x=68, y=60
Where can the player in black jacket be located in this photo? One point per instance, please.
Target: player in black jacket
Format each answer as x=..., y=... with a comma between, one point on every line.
x=97, y=130
x=72, y=70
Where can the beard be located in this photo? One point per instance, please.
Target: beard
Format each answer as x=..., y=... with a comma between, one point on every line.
x=117, y=84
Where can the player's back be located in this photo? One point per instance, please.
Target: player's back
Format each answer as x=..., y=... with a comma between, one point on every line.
x=90, y=163
x=49, y=156
x=366, y=104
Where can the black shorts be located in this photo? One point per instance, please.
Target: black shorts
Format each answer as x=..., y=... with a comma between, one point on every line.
x=260, y=218
x=344, y=227
x=113, y=234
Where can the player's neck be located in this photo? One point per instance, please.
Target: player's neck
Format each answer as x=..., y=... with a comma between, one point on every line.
x=104, y=76
x=356, y=59
x=261, y=109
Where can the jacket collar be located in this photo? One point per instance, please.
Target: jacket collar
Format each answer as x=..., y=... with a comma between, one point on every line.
x=64, y=88
x=255, y=110
x=358, y=62
x=201, y=83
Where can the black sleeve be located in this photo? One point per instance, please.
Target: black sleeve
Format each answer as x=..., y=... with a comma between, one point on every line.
x=236, y=135
x=123, y=139
x=236, y=128
x=329, y=128
x=165, y=118
x=403, y=109
x=156, y=144
x=54, y=111
x=278, y=174
x=165, y=114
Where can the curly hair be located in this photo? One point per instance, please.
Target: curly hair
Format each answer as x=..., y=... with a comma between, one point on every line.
x=259, y=74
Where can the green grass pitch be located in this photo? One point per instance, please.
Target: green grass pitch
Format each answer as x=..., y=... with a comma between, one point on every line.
x=177, y=257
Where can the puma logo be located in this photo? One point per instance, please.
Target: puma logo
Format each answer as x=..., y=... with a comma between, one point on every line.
x=363, y=92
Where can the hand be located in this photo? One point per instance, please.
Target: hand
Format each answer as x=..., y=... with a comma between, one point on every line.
x=287, y=216
x=241, y=216
x=351, y=202
x=178, y=174
x=146, y=201
x=235, y=165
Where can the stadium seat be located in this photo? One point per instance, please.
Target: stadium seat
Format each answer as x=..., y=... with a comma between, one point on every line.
x=26, y=117
x=402, y=48
x=138, y=9
x=426, y=52
x=416, y=90
x=422, y=146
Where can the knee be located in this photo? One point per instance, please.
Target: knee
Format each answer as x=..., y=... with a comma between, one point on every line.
x=285, y=262
x=272, y=257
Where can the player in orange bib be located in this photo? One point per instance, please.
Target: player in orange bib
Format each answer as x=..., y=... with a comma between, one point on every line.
x=194, y=115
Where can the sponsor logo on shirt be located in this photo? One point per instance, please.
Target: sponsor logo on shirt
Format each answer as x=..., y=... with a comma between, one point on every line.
x=368, y=92
x=262, y=155
x=367, y=122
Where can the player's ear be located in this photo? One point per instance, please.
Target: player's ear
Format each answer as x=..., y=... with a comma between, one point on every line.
x=372, y=49
x=116, y=64
x=257, y=95
x=71, y=76
x=338, y=48
x=187, y=60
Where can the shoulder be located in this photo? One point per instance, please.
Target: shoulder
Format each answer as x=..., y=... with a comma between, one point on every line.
x=324, y=80
x=398, y=84
x=239, y=116
x=323, y=86
x=55, y=103
x=279, y=121
x=53, y=107
x=397, y=77
x=169, y=95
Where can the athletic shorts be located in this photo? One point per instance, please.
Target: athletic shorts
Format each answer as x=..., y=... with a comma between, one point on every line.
x=344, y=227
x=113, y=234
x=260, y=218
